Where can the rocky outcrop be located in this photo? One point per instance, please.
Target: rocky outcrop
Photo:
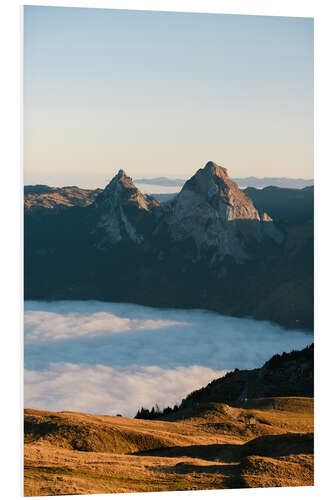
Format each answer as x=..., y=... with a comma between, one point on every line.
x=209, y=247
x=212, y=211
x=125, y=213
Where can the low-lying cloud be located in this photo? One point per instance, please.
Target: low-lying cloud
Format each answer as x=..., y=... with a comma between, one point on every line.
x=112, y=358
x=44, y=326
x=106, y=390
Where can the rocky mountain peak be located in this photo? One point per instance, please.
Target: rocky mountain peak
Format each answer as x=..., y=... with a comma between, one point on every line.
x=210, y=210
x=122, y=190
x=124, y=179
x=126, y=213
x=213, y=168
x=213, y=212
x=212, y=186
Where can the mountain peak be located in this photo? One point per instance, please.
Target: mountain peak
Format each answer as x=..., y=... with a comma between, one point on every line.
x=124, y=179
x=213, y=168
x=122, y=190
x=125, y=212
x=213, y=211
x=213, y=184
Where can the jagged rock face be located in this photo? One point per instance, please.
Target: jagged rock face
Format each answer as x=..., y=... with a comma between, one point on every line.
x=215, y=213
x=210, y=210
x=213, y=185
x=125, y=213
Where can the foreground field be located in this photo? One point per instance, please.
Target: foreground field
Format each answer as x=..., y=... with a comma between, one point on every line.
x=266, y=442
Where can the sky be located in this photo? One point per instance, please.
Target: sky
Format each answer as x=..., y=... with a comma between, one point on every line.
x=160, y=94
x=111, y=358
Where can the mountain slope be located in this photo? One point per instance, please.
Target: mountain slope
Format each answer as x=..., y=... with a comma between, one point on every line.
x=213, y=212
x=254, y=182
x=204, y=444
x=287, y=205
x=41, y=199
x=75, y=453
x=125, y=213
x=289, y=374
x=283, y=375
x=209, y=247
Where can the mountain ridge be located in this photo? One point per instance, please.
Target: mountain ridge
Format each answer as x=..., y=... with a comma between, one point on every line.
x=124, y=211
x=209, y=198
x=41, y=198
x=209, y=247
x=211, y=210
x=251, y=181
x=286, y=375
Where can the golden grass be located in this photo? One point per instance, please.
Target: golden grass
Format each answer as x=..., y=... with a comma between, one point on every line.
x=214, y=448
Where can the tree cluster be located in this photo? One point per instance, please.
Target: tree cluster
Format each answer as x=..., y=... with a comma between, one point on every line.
x=155, y=412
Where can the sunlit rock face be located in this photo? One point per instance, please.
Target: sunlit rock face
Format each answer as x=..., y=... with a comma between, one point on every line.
x=215, y=213
x=209, y=247
x=125, y=211
x=210, y=212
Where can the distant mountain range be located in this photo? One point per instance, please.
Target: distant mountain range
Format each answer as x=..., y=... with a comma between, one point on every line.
x=211, y=246
x=288, y=205
x=161, y=181
x=284, y=204
x=241, y=181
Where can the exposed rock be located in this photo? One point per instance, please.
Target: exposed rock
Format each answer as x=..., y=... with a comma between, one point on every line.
x=124, y=211
x=211, y=210
x=209, y=247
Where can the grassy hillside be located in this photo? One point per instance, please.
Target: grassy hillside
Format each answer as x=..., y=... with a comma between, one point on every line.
x=259, y=443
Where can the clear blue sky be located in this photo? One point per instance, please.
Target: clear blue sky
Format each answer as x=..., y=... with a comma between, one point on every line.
x=160, y=93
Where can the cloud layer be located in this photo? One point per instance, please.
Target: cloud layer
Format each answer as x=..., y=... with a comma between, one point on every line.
x=106, y=390
x=112, y=358
x=44, y=326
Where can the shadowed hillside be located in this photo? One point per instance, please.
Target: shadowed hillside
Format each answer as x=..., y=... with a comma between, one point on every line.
x=287, y=205
x=289, y=374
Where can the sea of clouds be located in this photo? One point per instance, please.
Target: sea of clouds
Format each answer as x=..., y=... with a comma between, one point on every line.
x=113, y=358
x=157, y=189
